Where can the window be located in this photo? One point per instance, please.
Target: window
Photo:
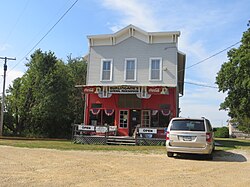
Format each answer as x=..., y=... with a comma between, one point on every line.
x=188, y=125
x=159, y=118
x=155, y=69
x=145, y=118
x=106, y=70
x=123, y=119
x=209, y=126
x=130, y=69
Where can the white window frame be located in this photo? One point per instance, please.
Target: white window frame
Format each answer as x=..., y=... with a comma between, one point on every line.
x=125, y=69
x=146, y=122
x=150, y=67
x=122, y=127
x=111, y=69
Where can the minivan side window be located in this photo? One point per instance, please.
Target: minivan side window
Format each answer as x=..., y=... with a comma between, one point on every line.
x=187, y=125
x=209, y=125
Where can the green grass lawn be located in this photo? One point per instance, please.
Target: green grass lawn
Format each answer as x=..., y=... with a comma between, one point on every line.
x=226, y=144
x=229, y=143
x=68, y=145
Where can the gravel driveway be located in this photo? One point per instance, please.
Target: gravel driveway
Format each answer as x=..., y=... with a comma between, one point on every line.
x=45, y=167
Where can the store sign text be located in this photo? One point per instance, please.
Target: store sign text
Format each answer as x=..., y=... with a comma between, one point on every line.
x=147, y=131
x=158, y=90
x=89, y=90
x=101, y=129
x=124, y=89
x=86, y=127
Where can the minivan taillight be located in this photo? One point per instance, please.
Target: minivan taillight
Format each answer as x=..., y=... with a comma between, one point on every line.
x=208, y=137
x=167, y=135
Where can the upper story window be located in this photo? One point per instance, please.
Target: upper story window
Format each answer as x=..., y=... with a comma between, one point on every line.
x=155, y=69
x=130, y=69
x=106, y=70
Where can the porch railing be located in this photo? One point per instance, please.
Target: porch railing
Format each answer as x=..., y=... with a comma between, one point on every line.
x=87, y=134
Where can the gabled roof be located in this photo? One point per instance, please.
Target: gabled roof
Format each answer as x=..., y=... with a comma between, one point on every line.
x=133, y=31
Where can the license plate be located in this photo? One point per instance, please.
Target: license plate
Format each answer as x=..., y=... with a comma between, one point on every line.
x=187, y=138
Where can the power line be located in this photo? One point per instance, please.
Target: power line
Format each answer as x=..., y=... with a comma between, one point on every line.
x=202, y=85
x=17, y=21
x=45, y=35
x=212, y=56
x=44, y=28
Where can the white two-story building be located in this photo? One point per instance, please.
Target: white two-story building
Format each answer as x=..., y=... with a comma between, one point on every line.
x=134, y=78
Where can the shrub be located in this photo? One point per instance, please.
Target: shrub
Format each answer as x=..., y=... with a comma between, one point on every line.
x=221, y=132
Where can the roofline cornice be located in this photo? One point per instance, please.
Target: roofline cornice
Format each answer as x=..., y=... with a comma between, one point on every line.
x=103, y=36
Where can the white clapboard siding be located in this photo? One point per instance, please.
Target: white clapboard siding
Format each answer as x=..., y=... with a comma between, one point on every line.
x=133, y=48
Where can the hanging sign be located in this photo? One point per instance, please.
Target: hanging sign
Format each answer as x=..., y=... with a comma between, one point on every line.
x=101, y=129
x=112, y=128
x=147, y=131
x=86, y=127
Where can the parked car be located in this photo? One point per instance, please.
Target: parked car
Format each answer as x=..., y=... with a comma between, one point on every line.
x=188, y=135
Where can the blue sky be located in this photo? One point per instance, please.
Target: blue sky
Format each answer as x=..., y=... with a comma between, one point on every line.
x=206, y=26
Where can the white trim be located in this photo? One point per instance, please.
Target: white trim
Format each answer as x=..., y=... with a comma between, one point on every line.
x=125, y=69
x=120, y=119
x=142, y=119
x=111, y=70
x=104, y=91
x=160, y=77
x=130, y=30
x=168, y=33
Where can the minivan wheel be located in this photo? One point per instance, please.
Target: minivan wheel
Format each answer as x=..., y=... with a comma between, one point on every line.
x=170, y=154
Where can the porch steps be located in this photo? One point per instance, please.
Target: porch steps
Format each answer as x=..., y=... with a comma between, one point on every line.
x=116, y=140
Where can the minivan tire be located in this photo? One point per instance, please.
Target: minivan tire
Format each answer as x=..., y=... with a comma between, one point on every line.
x=170, y=154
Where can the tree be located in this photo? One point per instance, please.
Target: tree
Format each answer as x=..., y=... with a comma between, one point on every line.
x=12, y=106
x=234, y=79
x=50, y=82
x=78, y=68
x=44, y=101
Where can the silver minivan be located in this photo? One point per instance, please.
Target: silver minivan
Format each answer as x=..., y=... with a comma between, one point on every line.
x=189, y=135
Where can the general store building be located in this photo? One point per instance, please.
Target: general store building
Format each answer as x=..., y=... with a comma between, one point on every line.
x=134, y=79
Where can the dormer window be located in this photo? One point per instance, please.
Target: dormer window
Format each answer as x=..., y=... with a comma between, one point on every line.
x=106, y=69
x=155, y=69
x=130, y=69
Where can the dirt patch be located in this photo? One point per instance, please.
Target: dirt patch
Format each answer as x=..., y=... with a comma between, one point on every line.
x=44, y=167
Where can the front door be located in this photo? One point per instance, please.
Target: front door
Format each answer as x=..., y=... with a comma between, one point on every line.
x=135, y=119
x=146, y=118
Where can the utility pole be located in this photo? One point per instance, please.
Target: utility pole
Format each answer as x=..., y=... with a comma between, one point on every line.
x=3, y=96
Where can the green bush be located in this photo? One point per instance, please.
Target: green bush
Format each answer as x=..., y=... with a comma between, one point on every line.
x=221, y=132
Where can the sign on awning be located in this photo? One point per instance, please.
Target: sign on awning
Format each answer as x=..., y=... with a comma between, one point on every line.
x=124, y=89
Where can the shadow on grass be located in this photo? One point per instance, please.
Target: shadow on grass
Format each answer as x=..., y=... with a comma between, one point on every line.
x=232, y=144
x=218, y=156
x=228, y=156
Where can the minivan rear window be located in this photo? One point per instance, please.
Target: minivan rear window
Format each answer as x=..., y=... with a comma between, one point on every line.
x=187, y=125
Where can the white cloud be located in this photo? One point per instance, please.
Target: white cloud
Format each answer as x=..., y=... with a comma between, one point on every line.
x=154, y=17
x=200, y=25
x=217, y=118
x=10, y=77
x=133, y=12
x=192, y=48
x=200, y=101
x=4, y=47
